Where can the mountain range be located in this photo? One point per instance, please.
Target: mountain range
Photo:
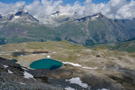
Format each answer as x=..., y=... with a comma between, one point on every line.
x=97, y=52
x=88, y=30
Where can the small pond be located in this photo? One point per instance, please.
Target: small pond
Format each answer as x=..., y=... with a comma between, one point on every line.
x=49, y=64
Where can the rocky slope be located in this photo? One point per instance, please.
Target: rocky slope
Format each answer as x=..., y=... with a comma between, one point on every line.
x=15, y=77
x=97, y=68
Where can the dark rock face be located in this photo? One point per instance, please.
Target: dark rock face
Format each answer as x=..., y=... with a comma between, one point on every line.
x=0, y=16
x=20, y=13
x=12, y=78
x=10, y=17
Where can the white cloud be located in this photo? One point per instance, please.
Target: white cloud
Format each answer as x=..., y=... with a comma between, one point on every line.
x=42, y=9
x=10, y=8
x=127, y=11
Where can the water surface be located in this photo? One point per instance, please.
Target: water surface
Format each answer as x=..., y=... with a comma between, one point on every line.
x=46, y=64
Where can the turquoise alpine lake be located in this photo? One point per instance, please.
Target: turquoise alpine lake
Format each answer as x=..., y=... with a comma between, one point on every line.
x=49, y=64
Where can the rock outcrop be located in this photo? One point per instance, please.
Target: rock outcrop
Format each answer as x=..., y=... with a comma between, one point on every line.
x=12, y=77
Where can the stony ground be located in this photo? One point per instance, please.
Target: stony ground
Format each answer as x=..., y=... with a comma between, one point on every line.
x=15, y=77
x=100, y=68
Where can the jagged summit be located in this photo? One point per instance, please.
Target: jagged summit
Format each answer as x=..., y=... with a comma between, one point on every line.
x=20, y=16
x=24, y=16
x=56, y=13
x=55, y=18
x=98, y=15
x=20, y=13
x=91, y=17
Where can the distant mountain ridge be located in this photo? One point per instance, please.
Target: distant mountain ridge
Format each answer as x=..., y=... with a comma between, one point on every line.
x=89, y=30
x=19, y=16
x=95, y=16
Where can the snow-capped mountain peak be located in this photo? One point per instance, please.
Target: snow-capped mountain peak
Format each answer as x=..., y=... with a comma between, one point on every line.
x=55, y=18
x=90, y=17
x=98, y=15
x=22, y=16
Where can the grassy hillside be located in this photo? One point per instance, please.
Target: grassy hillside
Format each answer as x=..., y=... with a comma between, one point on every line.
x=65, y=51
x=128, y=46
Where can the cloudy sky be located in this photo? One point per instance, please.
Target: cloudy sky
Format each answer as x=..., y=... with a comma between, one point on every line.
x=121, y=9
x=65, y=1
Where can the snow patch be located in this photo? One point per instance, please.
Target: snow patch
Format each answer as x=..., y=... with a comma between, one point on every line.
x=21, y=55
x=10, y=72
x=16, y=50
x=22, y=83
x=103, y=89
x=78, y=65
x=16, y=17
x=27, y=75
x=69, y=88
x=95, y=17
x=73, y=64
x=43, y=54
x=5, y=66
x=78, y=81
x=24, y=68
x=91, y=68
x=53, y=52
x=48, y=56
